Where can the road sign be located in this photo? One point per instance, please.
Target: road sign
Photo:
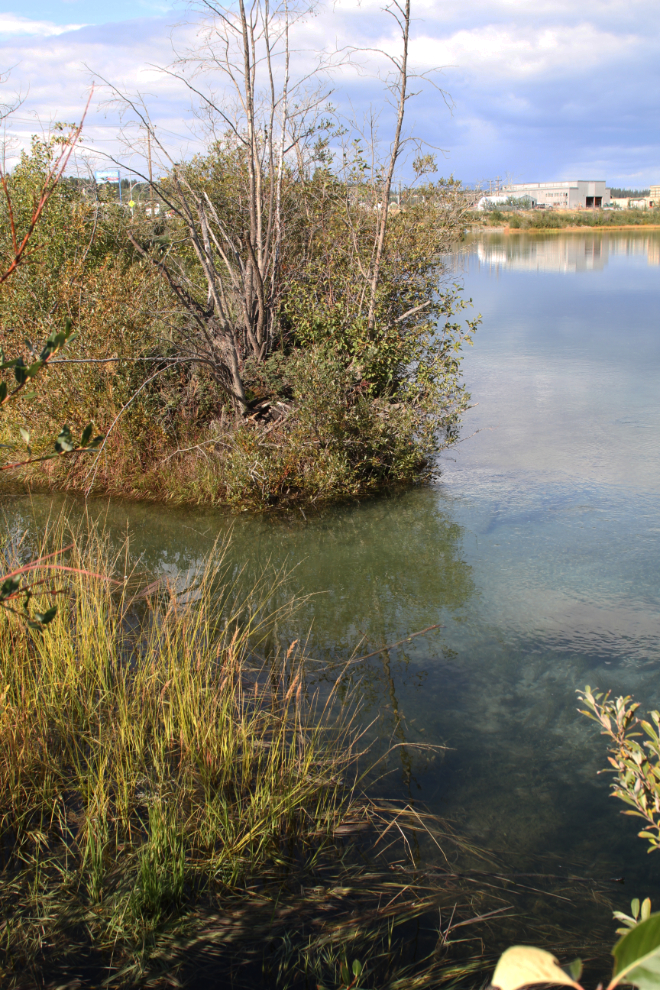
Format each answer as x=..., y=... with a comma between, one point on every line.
x=109, y=177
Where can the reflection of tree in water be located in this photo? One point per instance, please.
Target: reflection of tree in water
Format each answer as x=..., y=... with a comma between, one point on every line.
x=377, y=571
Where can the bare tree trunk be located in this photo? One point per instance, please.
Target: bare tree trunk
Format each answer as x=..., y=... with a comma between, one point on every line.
x=401, y=13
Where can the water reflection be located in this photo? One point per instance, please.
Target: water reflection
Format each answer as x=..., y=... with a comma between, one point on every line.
x=538, y=553
x=563, y=252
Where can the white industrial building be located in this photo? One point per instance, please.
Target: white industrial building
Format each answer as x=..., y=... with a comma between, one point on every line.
x=571, y=194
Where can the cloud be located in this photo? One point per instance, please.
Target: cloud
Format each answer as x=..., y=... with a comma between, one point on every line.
x=541, y=88
x=13, y=24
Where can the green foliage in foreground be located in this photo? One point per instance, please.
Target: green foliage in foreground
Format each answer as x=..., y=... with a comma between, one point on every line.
x=636, y=765
x=636, y=959
x=144, y=757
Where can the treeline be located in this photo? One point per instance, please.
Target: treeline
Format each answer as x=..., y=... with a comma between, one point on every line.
x=617, y=193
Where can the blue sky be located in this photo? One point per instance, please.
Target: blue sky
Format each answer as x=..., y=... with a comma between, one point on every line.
x=541, y=89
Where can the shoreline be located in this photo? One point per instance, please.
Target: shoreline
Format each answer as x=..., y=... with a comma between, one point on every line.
x=572, y=228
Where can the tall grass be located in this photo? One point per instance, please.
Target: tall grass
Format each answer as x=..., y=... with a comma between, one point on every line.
x=177, y=805
x=147, y=756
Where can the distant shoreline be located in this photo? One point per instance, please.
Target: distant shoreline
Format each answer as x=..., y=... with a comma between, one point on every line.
x=602, y=228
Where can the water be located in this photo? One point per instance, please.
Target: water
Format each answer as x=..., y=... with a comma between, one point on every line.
x=538, y=552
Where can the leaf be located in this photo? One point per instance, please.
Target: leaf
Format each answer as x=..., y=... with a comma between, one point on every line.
x=3, y=391
x=357, y=968
x=620, y=916
x=574, y=969
x=64, y=443
x=34, y=369
x=8, y=587
x=43, y=618
x=646, y=908
x=86, y=434
x=20, y=371
x=522, y=965
x=24, y=433
x=637, y=956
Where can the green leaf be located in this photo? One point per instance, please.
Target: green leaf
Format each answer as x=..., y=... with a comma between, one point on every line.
x=64, y=443
x=646, y=908
x=357, y=968
x=523, y=965
x=20, y=371
x=29, y=395
x=574, y=969
x=34, y=369
x=3, y=391
x=8, y=587
x=25, y=434
x=43, y=618
x=86, y=434
x=637, y=956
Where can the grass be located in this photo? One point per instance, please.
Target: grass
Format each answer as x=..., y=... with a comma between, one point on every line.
x=173, y=804
x=179, y=807
x=557, y=220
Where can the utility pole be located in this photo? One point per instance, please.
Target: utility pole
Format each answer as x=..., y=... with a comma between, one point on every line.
x=151, y=188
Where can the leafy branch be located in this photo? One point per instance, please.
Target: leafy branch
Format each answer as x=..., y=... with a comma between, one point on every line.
x=26, y=371
x=636, y=764
x=636, y=958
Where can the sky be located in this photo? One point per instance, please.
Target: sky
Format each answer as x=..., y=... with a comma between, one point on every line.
x=538, y=89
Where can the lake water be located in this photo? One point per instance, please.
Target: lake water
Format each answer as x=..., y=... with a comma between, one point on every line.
x=538, y=550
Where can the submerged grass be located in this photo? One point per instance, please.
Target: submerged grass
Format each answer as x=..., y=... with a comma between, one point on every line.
x=167, y=796
x=176, y=810
x=146, y=757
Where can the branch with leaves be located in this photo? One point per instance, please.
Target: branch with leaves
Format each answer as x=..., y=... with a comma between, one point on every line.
x=21, y=240
x=636, y=958
x=635, y=759
x=27, y=368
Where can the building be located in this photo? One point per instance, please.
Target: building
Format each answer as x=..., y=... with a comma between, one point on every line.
x=571, y=194
x=650, y=202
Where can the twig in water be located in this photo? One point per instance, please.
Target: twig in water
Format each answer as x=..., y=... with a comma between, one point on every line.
x=390, y=646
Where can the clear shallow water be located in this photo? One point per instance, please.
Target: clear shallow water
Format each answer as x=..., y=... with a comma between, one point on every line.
x=538, y=550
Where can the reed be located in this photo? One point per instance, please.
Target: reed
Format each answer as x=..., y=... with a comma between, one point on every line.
x=178, y=805
x=147, y=756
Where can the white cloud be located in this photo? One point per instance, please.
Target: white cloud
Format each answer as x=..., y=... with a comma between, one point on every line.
x=539, y=86
x=12, y=25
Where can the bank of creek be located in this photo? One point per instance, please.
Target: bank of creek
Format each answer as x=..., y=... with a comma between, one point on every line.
x=537, y=549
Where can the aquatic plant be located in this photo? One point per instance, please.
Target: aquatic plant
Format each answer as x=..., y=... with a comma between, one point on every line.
x=174, y=800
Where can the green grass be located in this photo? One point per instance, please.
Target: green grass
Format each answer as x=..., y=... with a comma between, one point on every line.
x=558, y=220
x=178, y=806
x=171, y=804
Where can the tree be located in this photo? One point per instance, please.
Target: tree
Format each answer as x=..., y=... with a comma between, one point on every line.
x=27, y=371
